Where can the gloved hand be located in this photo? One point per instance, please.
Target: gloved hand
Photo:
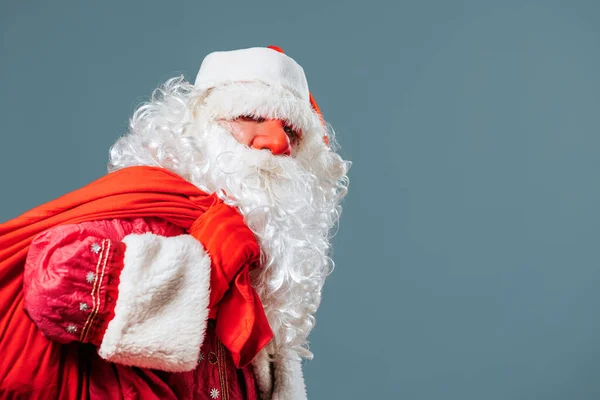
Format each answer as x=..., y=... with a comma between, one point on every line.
x=230, y=244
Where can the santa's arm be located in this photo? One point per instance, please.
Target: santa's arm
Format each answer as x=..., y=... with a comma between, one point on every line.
x=141, y=297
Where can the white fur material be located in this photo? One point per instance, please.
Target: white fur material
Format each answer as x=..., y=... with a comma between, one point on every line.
x=263, y=372
x=290, y=203
x=279, y=377
x=289, y=380
x=257, y=64
x=260, y=100
x=162, y=310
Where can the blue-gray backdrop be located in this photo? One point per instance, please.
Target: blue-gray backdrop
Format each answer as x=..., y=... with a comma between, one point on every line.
x=468, y=254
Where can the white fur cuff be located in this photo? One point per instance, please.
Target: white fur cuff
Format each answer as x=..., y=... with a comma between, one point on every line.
x=162, y=308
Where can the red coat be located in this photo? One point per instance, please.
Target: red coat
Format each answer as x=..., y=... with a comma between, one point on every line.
x=33, y=366
x=59, y=275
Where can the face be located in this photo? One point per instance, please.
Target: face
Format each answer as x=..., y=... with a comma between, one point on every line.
x=290, y=203
x=290, y=198
x=274, y=135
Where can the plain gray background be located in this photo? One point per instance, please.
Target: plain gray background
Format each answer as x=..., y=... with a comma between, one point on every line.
x=468, y=253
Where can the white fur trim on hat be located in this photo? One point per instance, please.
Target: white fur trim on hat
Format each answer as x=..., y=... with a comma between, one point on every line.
x=162, y=309
x=257, y=64
x=260, y=100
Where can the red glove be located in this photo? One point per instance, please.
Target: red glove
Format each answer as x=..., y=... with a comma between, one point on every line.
x=230, y=244
x=241, y=323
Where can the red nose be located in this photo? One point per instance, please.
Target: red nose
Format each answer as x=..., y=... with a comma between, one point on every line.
x=271, y=136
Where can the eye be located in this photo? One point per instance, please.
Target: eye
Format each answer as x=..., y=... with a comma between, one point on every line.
x=249, y=118
x=292, y=133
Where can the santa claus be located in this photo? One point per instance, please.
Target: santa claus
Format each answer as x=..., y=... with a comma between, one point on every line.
x=194, y=268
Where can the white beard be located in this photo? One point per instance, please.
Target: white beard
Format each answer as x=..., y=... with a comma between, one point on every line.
x=291, y=210
x=289, y=203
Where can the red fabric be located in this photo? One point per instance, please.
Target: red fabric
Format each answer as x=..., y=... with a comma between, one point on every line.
x=32, y=364
x=57, y=268
x=215, y=371
x=230, y=243
x=57, y=290
x=57, y=281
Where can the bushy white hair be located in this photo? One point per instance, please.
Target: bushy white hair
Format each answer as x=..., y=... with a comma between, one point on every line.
x=290, y=203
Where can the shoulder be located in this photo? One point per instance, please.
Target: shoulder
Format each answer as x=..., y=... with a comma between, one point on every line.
x=114, y=229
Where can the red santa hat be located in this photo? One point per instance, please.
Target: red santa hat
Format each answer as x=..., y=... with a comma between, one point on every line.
x=259, y=81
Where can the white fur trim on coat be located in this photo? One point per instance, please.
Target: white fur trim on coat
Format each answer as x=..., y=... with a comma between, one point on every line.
x=279, y=377
x=263, y=372
x=289, y=380
x=162, y=309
